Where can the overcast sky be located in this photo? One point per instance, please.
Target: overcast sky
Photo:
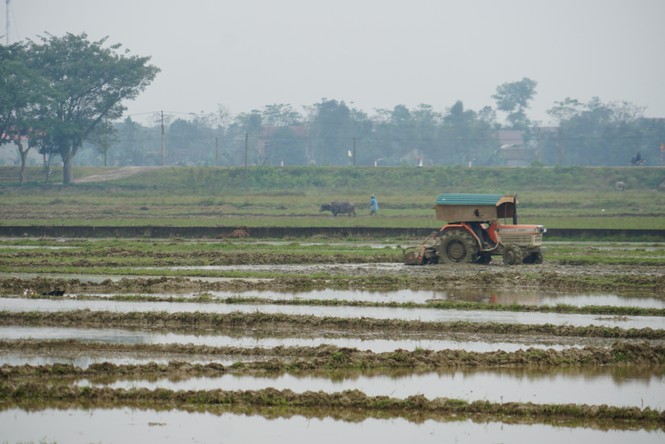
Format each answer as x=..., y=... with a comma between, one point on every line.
x=371, y=54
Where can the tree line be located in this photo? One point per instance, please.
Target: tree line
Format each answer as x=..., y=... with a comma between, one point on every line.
x=64, y=97
x=333, y=133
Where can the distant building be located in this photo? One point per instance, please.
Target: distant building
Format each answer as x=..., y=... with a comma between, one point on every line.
x=512, y=149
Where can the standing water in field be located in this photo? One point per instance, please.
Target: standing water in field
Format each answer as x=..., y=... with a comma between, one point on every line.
x=122, y=425
x=643, y=388
x=476, y=343
x=412, y=314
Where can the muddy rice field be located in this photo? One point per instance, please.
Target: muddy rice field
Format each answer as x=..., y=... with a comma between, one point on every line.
x=170, y=341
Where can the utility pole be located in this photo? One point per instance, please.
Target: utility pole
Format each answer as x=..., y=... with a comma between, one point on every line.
x=560, y=145
x=354, y=151
x=246, y=150
x=216, y=151
x=162, y=137
x=7, y=22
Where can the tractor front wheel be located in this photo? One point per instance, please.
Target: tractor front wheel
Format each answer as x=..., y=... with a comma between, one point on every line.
x=534, y=258
x=512, y=255
x=458, y=247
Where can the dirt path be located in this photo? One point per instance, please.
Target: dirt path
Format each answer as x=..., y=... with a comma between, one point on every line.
x=115, y=173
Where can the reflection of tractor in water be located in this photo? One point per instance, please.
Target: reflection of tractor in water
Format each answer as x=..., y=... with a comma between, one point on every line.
x=474, y=233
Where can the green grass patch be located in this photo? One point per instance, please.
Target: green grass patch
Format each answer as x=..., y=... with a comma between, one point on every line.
x=572, y=197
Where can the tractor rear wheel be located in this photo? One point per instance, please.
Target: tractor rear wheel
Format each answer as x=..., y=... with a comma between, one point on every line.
x=458, y=247
x=512, y=255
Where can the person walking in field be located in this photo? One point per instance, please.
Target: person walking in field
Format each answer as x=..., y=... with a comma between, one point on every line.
x=373, y=205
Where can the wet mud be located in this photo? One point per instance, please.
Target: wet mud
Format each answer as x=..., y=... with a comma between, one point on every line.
x=326, y=357
x=628, y=353
x=649, y=279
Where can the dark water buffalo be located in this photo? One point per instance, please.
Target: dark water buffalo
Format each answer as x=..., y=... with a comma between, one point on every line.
x=339, y=208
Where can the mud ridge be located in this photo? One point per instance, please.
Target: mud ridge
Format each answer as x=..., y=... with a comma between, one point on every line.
x=346, y=415
x=308, y=359
x=351, y=400
x=273, y=322
x=645, y=279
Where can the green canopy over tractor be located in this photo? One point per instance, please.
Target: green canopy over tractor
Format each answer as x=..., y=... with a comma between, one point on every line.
x=457, y=207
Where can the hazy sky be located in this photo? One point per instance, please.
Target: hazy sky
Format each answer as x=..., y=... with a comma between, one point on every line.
x=372, y=54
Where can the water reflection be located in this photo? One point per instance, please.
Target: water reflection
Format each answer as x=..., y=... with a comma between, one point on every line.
x=522, y=296
x=77, y=360
x=456, y=342
x=176, y=426
x=588, y=386
x=414, y=314
x=499, y=297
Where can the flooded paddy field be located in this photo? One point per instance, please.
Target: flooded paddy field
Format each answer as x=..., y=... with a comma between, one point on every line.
x=425, y=315
x=83, y=425
x=328, y=350
x=535, y=297
x=76, y=358
x=544, y=386
x=372, y=342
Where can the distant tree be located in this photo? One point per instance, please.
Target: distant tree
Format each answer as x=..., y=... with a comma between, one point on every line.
x=652, y=131
x=401, y=116
x=466, y=137
x=251, y=122
x=135, y=144
x=393, y=136
x=102, y=137
x=566, y=109
x=404, y=135
x=427, y=124
x=281, y=115
x=288, y=144
x=186, y=138
x=596, y=133
x=487, y=115
x=21, y=91
x=87, y=84
x=243, y=137
x=513, y=98
x=332, y=133
x=222, y=117
x=361, y=130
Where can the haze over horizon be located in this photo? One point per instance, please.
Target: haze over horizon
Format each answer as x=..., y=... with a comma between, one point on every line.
x=371, y=54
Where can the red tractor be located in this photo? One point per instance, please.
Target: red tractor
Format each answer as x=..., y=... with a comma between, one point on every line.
x=475, y=233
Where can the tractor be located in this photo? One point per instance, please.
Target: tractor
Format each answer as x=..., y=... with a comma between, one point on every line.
x=475, y=232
